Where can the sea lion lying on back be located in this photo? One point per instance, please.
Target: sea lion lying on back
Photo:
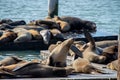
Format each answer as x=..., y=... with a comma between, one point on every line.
x=59, y=54
x=84, y=66
x=91, y=52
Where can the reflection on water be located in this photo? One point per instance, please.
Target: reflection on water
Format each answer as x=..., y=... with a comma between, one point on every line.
x=26, y=55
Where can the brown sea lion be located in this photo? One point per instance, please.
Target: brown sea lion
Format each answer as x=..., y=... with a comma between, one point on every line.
x=111, y=53
x=64, y=26
x=113, y=65
x=82, y=65
x=38, y=70
x=10, y=60
x=22, y=35
x=105, y=43
x=7, y=36
x=59, y=54
x=52, y=46
x=78, y=24
x=56, y=34
x=91, y=52
x=35, y=34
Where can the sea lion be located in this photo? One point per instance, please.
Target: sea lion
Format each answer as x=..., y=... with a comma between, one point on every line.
x=111, y=53
x=52, y=46
x=22, y=35
x=91, y=52
x=38, y=70
x=59, y=54
x=7, y=36
x=35, y=34
x=7, y=21
x=56, y=34
x=113, y=65
x=105, y=43
x=5, y=27
x=47, y=24
x=64, y=26
x=46, y=35
x=16, y=23
x=10, y=60
x=82, y=65
x=78, y=24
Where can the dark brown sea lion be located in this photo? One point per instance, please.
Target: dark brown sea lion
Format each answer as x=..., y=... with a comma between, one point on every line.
x=38, y=70
x=10, y=60
x=7, y=37
x=91, y=52
x=7, y=21
x=82, y=65
x=113, y=65
x=16, y=23
x=59, y=54
x=78, y=24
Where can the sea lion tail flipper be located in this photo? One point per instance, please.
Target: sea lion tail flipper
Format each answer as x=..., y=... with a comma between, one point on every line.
x=89, y=38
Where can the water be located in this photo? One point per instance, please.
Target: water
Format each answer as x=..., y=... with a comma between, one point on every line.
x=105, y=13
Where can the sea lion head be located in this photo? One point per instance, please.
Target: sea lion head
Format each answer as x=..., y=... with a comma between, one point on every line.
x=91, y=26
x=46, y=34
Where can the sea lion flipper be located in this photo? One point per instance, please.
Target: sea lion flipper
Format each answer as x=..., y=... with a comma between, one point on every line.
x=89, y=38
x=25, y=65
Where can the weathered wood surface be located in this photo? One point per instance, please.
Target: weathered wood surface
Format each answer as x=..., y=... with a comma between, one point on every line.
x=39, y=45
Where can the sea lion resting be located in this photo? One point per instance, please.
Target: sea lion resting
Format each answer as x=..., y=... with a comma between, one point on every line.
x=111, y=53
x=59, y=54
x=22, y=35
x=78, y=24
x=7, y=36
x=35, y=34
x=82, y=65
x=10, y=60
x=91, y=52
x=34, y=69
x=113, y=65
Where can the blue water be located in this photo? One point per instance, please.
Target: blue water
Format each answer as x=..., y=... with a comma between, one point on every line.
x=105, y=13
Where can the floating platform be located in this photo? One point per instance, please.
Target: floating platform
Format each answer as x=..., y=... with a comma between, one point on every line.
x=39, y=45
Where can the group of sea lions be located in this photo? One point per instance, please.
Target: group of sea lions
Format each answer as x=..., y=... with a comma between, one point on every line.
x=102, y=52
x=56, y=63
x=45, y=30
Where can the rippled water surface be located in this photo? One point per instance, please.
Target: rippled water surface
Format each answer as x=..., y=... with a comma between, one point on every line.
x=105, y=13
